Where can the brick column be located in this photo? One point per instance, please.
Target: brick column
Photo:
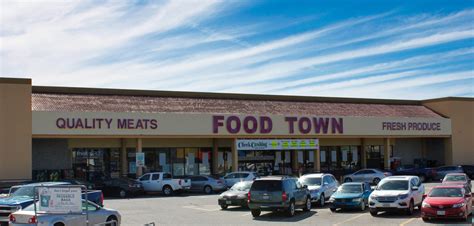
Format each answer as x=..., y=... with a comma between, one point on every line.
x=386, y=156
x=215, y=156
x=123, y=158
x=317, y=160
x=235, y=155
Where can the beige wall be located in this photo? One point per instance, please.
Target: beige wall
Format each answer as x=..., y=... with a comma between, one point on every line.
x=15, y=129
x=461, y=112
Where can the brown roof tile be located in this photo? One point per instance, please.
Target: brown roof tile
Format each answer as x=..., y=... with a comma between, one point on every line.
x=153, y=104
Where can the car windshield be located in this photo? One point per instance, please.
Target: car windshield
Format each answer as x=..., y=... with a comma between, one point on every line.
x=399, y=185
x=406, y=167
x=350, y=188
x=455, y=178
x=446, y=192
x=267, y=185
x=27, y=191
x=311, y=181
x=241, y=186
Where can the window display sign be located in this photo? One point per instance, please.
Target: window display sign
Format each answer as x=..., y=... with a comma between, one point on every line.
x=140, y=159
x=269, y=144
x=60, y=199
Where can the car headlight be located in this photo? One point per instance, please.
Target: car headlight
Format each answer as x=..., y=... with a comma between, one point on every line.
x=357, y=200
x=18, y=208
x=374, y=197
x=331, y=199
x=403, y=196
x=425, y=205
x=459, y=205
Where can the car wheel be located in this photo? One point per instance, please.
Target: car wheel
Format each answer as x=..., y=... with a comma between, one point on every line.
x=208, y=189
x=59, y=224
x=255, y=213
x=122, y=193
x=376, y=180
x=307, y=206
x=348, y=179
x=425, y=219
x=373, y=212
x=291, y=209
x=224, y=207
x=322, y=200
x=333, y=209
x=112, y=218
x=410, y=208
x=362, y=206
x=167, y=190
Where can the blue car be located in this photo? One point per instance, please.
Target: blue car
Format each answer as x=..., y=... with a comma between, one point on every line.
x=351, y=195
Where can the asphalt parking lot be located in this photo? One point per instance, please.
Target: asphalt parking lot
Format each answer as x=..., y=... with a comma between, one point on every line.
x=197, y=209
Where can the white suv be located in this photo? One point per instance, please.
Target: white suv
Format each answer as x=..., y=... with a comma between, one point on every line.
x=397, y=193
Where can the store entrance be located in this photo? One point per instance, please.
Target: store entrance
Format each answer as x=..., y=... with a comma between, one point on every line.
x=92, y=164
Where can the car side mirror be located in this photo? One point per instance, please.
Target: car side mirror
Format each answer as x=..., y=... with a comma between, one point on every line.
x=468, y=195
x=424, y=196
x=414, y=188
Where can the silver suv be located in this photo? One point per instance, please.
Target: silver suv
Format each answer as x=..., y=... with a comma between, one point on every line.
x=320, y=185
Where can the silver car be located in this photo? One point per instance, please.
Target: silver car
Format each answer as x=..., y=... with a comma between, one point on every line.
x=97, y=216
x=320, y=185
x=373, y=176
x=206, y=184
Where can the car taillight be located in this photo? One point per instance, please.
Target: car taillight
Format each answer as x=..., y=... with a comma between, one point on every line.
x=284, y=197
x=101, y=199
x=12, y=218
x=248, y=197
x=33, y=220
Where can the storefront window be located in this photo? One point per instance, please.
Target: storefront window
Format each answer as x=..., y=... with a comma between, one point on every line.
x=179, y=160
x=224, y=160
x=94, y=164
x=205, y=161
x=191, y=161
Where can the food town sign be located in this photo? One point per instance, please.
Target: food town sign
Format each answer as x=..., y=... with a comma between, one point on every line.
x=182, y=124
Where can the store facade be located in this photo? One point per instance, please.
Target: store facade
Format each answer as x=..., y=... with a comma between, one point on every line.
x=92, y=133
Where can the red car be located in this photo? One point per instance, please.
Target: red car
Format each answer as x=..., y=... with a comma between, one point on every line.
x=447, y=201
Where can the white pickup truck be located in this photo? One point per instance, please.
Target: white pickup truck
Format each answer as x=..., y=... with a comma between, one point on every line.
x=163, y=182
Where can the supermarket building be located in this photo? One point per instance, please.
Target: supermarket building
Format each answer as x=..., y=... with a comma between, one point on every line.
x=86, y=133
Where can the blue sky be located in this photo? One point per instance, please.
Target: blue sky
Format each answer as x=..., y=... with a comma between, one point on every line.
x=371, y=49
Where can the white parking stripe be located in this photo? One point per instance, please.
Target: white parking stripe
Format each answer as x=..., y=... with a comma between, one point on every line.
x=247, y=214
x=407, y=221
x=352, y=218
x=199, y=208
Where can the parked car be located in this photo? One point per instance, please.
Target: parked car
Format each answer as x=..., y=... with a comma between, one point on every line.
x=163, y=182
x=21, y=196
x=97, y=215
x=372, y=176
x=236, y=195
x=468, y=170
x=320, y=185
x=89, y=186
x=443, y=170
x=425, y=174
x=278, y=193
x=121, y=187
x=447, y=201
x=397, y=193
x=206, y=184
x=351, y=195
x=234, y=177
x=457, y=178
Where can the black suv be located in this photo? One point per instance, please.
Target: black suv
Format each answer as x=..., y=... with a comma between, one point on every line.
x=278, y=193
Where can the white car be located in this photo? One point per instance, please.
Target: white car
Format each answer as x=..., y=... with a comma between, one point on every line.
x=371, y=176
x=397, y=193
x=97, y=216
x=231, y=178
x=320, y=185
x=163, y=182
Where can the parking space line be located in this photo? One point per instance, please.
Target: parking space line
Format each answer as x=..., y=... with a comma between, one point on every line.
x=407, y=221
x=198, y=208
x=247, y=214
x=352, y=218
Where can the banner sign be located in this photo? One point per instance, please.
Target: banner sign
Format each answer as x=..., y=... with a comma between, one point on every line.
x=140, y=159
x=60, y=199
x=264, y=144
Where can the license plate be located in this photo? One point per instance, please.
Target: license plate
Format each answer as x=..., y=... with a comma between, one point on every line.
x=228, y=202
x=266, y=197
x=441, y=212
x=386, y=205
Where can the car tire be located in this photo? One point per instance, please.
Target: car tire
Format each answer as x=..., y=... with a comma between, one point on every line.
x=291, y=209
x=362, y=206
x=59, y=224
x=348, y=179
x=322, y=200
x=333, y=209
x=224, y=207
x=255, y=213
x=376, y=181
x=425, y=219
x=207, y=189
x=307, y=206
x=122, y=194
x=112, y=218
x=373, y=212
x=167, y=190
x=410, y=209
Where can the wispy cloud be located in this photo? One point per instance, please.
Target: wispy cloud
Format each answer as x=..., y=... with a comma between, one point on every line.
x=213, y=46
